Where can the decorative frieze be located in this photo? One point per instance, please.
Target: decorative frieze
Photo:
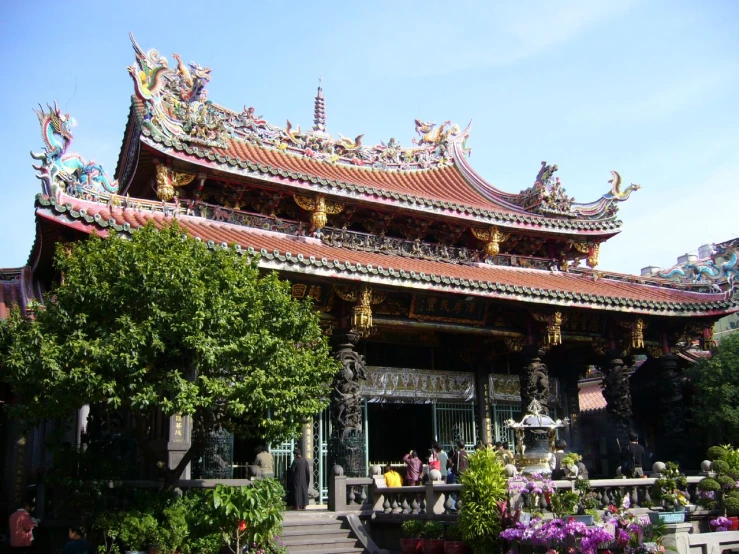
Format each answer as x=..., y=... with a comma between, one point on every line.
x=419, y=385
x=507, y=388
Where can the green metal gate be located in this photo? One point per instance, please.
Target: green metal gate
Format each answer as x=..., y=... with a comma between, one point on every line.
x=282, y=456
x=455, y=421
x=321, y=434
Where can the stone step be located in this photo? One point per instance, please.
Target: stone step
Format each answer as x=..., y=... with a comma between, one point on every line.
x=301, y=545
x=356, y=550
x=305, y=530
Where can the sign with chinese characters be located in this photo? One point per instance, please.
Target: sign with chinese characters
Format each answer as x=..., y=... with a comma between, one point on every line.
x=450, y=310
x=406, y=384
x=507, y=388
x=321, y=294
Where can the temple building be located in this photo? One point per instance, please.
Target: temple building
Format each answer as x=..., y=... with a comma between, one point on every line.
x=452, y=302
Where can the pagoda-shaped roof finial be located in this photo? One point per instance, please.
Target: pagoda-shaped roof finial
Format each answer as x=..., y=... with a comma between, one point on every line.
x=319, y=112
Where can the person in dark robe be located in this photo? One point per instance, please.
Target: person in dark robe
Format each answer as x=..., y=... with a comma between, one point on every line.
x=300, y=478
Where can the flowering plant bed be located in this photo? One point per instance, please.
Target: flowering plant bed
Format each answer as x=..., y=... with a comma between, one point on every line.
x=622, y=532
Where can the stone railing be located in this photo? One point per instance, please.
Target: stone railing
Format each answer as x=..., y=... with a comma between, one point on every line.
x=439, y=499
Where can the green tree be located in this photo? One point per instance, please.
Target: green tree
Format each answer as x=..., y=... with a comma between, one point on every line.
x=157, y=321
x=716, y=381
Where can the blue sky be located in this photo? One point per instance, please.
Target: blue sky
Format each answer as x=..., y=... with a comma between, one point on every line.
x=648, y=88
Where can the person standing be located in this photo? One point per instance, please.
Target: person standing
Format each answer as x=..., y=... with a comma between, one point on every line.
x=77, y=542
x=265, y=462
x=443, y=459
x=21, y=526
x=558, y=472
x=392, y=477
x=413, y=466
x=637, y=452
x=300, y=478
x=460, y=461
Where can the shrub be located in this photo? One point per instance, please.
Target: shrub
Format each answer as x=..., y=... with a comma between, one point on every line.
x=709, y=485
x=564, y=503
x=720, y=466
x=484, y=485
x=716, y=453
x=731, y=502
x=433, y=530
x=411, y=529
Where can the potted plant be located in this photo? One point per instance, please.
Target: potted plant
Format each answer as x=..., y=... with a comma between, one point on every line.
x=588, y=502
x=410, y=533
x=484, y=485
x=432, y=538
x=454, y=543
x=668, y=492
x=720, y=492
x=569, y=464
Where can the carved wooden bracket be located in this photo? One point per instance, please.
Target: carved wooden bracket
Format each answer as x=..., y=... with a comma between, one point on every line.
x=167, y=179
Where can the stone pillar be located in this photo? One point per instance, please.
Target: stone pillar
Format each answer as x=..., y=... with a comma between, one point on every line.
x=346, y=446
x=617, y=393
x=306, y=446
x=534, y=378
x=180, y=430
x=670, y=383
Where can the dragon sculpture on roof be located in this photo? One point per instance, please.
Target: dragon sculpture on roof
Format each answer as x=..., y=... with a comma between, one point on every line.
x=177, y=110
x=547, y=196
x=721, y=268
x=59, y=170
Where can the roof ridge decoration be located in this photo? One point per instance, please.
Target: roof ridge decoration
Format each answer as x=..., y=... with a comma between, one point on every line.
x=721, y=268
x=548, y=197
x=177, y=109
x=60, y=170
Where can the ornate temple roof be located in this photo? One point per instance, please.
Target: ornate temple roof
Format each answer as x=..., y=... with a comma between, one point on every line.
x=299, y=254
x=172, y=115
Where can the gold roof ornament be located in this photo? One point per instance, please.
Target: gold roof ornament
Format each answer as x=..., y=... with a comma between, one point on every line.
x=492, y=238
x=554, y=323
x=365, y=297
x=636, y=331
x=320, y=207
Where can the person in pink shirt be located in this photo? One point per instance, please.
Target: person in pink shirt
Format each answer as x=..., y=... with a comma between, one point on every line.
x=413, y=467
x=21, y=527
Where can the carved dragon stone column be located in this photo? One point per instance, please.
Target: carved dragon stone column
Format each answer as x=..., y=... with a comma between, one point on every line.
x=617, y=393
x=347, y=446
x=534, y=378
x=672, y=412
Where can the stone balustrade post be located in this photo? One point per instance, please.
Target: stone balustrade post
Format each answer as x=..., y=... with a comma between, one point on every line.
x=676, y=537
x=434, y=501
x=337, y=491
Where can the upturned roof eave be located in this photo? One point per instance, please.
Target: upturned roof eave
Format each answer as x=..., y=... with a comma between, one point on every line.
x=694, y=305
x=350, y=192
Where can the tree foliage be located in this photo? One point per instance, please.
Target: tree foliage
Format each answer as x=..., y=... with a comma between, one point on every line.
x=160, y=321
x=716, y=381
